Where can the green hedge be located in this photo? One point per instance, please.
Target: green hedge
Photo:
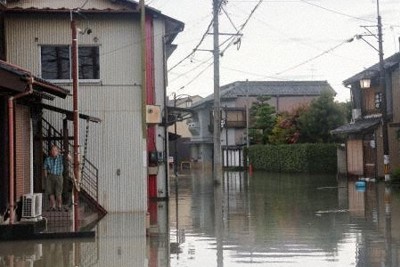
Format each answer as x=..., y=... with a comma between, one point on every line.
x=298, y=158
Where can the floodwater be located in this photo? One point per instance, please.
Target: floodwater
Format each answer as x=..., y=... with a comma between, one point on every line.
x=263, y=220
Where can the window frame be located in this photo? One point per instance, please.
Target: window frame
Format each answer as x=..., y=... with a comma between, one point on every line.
x=69, y=81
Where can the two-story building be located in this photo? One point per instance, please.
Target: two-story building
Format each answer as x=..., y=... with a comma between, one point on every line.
x=364, y=142
x=128, y=147
x=236, y=99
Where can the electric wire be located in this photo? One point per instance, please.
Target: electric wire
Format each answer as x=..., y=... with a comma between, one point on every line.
x=229, y=39
x=243, y=25
x=335, y=11
x=200, y=42
x=313, y=58
x=180, y=75
x=229, y=18
x=194, y=49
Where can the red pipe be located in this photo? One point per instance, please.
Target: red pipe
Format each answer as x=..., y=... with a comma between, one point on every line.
x=11, y=144
x=75, y=84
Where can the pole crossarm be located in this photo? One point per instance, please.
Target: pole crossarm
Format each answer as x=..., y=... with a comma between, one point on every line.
x=178, y=114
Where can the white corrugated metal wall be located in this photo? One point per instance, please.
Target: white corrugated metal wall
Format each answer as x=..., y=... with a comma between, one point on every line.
x=116, y=146
x=159, y=32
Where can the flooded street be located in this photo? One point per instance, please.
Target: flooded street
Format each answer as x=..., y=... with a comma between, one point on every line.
x=284, y=220
x=264, y=220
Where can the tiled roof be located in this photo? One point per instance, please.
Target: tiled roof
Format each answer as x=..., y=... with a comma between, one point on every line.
x=358, y=126
x=271, y=88
x=373, y=71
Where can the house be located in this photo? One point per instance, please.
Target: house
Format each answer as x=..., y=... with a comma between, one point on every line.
x=178, y=131
x=21, y=93
x=128, y=147
x=236, y=99
x=364, y=144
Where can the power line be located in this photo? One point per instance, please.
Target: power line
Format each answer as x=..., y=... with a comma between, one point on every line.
x=334, y=11
x=229, y=18
x=192, y=69
x=201, y=62
x=198, y=75
x=257, y=74
x=243, y=25
x=313, y=58
x=194, y=49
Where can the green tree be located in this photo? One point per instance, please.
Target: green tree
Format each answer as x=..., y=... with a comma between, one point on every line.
x=323, y=116
x=262, y=120
x=286, y=129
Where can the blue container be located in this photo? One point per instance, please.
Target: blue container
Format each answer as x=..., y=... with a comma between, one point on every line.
x=360, y=186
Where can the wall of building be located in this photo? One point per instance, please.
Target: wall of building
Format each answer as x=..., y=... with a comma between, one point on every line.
x=159, y=83
x=394, y=145
x=116, y=146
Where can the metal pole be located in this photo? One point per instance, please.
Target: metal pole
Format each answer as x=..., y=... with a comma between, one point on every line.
x=175, y=144
x=75, y=84
x=247, y=124
x=382, y=82
x=166, y=137
x=217, y=161
x=247, y=115
x=226, y=138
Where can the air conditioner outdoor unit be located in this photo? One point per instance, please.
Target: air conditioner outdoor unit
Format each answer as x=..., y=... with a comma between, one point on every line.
x=31, y=206
x=356, y=114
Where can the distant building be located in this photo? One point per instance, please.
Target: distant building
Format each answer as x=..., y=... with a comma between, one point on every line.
x=364, y=145
x=180, y=139
x=236, y=98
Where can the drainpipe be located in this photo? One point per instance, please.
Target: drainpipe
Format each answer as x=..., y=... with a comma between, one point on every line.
x=75, y=85
x=11, y=144
x=166, y=139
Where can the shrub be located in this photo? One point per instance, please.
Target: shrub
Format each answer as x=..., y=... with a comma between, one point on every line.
x=295, y=158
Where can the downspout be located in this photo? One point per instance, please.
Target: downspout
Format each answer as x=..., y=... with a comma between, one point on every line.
x=11, y=144
x=166, y=139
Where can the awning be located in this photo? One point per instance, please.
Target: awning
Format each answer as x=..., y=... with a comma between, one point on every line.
x=69, y=114
x=14, y=79
x=358, y=126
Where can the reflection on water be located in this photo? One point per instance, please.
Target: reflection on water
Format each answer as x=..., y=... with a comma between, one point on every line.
x=264, y=220
x=286, y=220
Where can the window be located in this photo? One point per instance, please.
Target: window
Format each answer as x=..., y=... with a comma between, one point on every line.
x=56, y=62
x=378, y=100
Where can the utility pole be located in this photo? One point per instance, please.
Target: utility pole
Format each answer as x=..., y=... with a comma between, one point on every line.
x=382, y=82
x=217, y=161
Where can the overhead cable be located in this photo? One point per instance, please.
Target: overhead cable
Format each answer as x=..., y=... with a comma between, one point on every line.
x=243, y=26
x=315, y=57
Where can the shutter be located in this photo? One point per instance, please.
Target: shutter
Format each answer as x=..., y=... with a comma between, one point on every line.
x=22, y=150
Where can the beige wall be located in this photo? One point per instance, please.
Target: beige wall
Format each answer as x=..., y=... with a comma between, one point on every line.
x=281, y=103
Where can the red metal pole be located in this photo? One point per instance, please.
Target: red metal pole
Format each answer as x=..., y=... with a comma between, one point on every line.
x=75, y=81
x=11, y=155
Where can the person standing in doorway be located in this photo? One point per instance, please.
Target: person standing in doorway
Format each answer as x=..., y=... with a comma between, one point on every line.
x=53, y=173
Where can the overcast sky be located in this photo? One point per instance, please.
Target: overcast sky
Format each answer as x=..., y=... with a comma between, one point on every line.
x=282, y=41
